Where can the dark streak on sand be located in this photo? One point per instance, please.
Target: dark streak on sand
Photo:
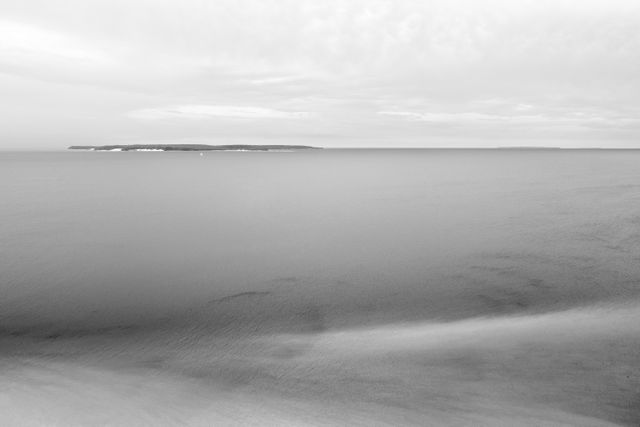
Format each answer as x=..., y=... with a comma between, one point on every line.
x=242, y=294
x=48, y=334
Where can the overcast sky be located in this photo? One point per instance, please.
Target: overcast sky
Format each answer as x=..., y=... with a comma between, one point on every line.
x=326, y=72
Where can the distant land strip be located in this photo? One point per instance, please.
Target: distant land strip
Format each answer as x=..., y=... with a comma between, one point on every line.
x=190, y=147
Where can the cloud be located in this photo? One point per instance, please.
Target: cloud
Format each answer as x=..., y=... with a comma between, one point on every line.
x=199, y=112
x=574, y=119
x=455, y=64
x=23, y=44
x=463, y=117
x=275, y=80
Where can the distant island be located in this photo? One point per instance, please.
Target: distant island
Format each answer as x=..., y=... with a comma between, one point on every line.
x=190, y=147
x=527, y=147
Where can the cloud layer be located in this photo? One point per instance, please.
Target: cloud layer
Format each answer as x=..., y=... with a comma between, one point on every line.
x=201, y=112
x=362, y=72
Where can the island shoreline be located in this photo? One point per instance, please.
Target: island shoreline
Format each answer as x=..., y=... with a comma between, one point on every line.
x=191, y=147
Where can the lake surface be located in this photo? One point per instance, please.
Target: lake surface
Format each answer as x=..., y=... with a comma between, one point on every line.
x=330, y=287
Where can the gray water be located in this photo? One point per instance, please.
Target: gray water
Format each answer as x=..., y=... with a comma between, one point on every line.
x=333, y=287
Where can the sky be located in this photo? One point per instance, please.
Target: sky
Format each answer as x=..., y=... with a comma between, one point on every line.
x=332, y=73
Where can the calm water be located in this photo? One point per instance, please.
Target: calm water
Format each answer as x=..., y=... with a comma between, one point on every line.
x=357, y=287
